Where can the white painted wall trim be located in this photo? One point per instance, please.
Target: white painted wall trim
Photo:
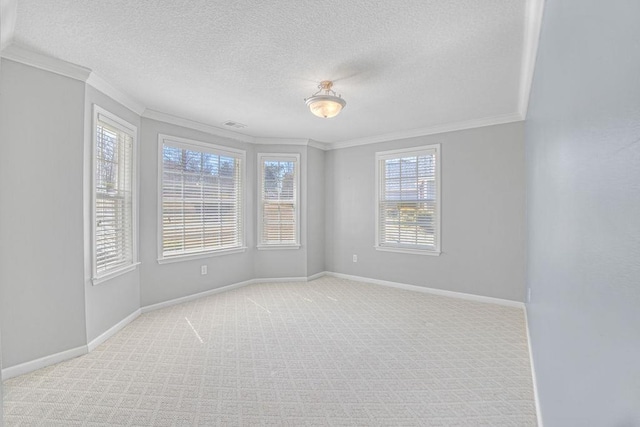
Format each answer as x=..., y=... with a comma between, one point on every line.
x=533, y=25
x=20, y=54
x=112, y=330
x=44, y=62
x=114, y=93
x=169, y=303
x=424, y=289
x=191, y=124
x=158, y=306
x=33, y=365
x=291, y=141
x=316, y=276
x=533, y=370
x=214, y=130
x=43, y=362
x=319, y=145
x=279, y=280
x=448, y=127
x=432, y=130
x=280, y=141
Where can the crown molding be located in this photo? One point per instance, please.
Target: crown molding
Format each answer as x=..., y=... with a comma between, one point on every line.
x=191, y=124
x=292, y=141
x=319, y=145
x=17, y=53
x=8, y=16
x=432, y=130
x=533, y=25
x=280, y=141
x=114, y=93
x=58, y=66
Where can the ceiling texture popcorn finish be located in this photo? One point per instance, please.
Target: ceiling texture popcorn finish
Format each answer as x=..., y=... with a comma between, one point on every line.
x=405, y=67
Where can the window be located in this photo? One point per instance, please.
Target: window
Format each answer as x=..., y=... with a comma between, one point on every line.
x=408, y=200
x=279, y=216
x=201, y=199
x=114, y=208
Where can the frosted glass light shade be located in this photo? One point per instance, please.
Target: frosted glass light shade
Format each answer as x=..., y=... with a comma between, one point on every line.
x=325, y=106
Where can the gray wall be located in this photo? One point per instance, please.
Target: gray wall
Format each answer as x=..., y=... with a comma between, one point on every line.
x=1, y=390
x=583, y=186
x=108, y=303
x=49, y=304
x=163, y=282
x=41, y=194
x=482, y=214
x=315, y=211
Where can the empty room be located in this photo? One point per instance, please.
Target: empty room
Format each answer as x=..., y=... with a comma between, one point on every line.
x=338, y=213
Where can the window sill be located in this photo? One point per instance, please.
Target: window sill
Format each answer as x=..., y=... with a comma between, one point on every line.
x=277, y=247
x=102, y=279
x=200, y=255
x=428, y=252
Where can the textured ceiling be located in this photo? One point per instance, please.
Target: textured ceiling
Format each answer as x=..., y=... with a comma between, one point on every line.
x=400, y=65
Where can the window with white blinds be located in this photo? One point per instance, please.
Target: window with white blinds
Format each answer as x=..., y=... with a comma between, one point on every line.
x=114, y=243
x=408, y=200
x=201, y=198
x=279, y=215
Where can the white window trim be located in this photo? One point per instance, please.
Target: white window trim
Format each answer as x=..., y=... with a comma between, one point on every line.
x=190, y=143
x=272, y=247
x=278, y=157
x=382, y=155
x=201, y=255
x=117, y=122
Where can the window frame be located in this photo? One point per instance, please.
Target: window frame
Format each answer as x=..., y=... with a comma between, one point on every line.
x=105, y=116
x=380, y=156
x=213, y=149
x=287, y=157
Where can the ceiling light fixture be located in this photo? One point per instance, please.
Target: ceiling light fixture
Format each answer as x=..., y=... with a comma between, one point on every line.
x=325, y=103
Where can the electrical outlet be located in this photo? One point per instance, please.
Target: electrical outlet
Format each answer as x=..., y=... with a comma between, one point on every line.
x=528, y=294
x=355, y=258
x=203, y=269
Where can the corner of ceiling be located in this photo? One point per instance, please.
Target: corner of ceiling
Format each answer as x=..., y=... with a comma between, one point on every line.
x=292, y=141
x=319, y=145
x=17, y=53
x=8, y=16
x=113, y=92
x=432, y=130
x=533, y=24
x=10, y=50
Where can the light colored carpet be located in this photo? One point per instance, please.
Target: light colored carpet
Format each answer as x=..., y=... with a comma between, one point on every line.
x=327, y=352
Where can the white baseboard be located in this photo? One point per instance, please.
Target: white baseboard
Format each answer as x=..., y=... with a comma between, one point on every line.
x=33, y=365
x=279, y=279
x=316, y=276
x=533, y=370
x=112, y=330
x=43, y=362
x=158, y=306
x=152, y=307
x=451, y=294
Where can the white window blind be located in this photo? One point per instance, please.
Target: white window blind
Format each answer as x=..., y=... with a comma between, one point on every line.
x=113, y=213
x=278, y=223
x=408, y=200
x=201, y=198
